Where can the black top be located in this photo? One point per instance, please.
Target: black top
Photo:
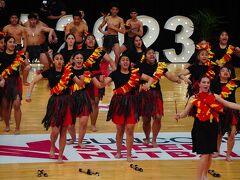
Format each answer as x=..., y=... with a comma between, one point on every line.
x=54, y=77
x=217, y=88
x=87, y=53
x=135, y=57
x=6, y=60
x=149, y=70
x=67, y=54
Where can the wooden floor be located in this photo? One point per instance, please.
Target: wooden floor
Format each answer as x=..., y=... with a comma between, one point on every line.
x=33, y=112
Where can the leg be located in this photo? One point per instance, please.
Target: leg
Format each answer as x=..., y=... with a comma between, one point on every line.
x=146, y=129
x=83, y=121
x=123, y=48
x=72, y=132
x=53, y=137
x=116, y=50
x=130, y=136
x=230, y=142
x=94, y=114
x=6, y=113
x=156, y=126
x=25, y=73
x=62, y=143
x=17, y=114
x=119, y=138
x=219, y=141
x=44, y=60
x=202, y=166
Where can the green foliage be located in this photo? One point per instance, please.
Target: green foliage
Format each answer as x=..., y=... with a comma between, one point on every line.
x=206, y=24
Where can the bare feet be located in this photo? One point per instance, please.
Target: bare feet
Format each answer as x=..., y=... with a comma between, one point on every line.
x=6, y=129
x=17, y=132
x=82, y=145
x=94, y=129
x=228, y=158
x=129, y=158
x=146, y=141
x=26, y=83
x=71, y=141
x=118, y=156
x=215, y=155
x=154, y=144
x=60, y=161
x=52, y=153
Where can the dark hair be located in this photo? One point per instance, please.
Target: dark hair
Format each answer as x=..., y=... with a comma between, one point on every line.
x=118, y=65
x=84, y=43
x=76, y=53
x=14, y=14
x=6, y=38
x=32, y=16
x=74, y=45
x=114, y=4
x=133, y=10
x=77, y=13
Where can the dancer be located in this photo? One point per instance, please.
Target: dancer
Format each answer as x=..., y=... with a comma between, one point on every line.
x=11, y=62
x=133, y=27
x=152, y=102
x=226, y=87
x=69, y=48
x=81, y=100
x=136, y=54
x=115, y=25
x=206, y=109
x=225, y=53
x=59, y=113
x=93, y=58
x=202, y=66
x=124, y=105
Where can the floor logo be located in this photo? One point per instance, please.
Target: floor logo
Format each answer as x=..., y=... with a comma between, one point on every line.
x=102, y=147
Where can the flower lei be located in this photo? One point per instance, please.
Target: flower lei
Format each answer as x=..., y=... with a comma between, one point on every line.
x=62, y=84
x=86, y=80
x=14, y=66
x=227, y=89
x=94, y=56
x=210, y=73
x=207, y=107
x=158, y=73
x=226, y=57
x=132, y=82
x=205, y=45
x=142, y=58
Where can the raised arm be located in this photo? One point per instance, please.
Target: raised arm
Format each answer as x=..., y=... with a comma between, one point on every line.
x=228, y=104
x=182, y=75
x=101, y=26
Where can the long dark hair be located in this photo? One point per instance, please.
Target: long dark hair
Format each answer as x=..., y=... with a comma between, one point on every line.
x=84, y=43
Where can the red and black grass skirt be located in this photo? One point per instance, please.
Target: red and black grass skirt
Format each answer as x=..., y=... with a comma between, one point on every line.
x=12, y=88
x=94, y=91
x=59, y=111
x=151, y=103
x=124, y=109
x=229, y=118
x=81, y=103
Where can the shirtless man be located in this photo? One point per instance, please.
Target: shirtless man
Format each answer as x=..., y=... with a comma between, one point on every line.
x=44, y=57
x=35, y=33
x=19, y=33
x=133, y=27
x=77, y=27
x=115, y=25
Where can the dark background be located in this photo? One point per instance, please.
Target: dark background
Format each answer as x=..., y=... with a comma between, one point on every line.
x=158, y=9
